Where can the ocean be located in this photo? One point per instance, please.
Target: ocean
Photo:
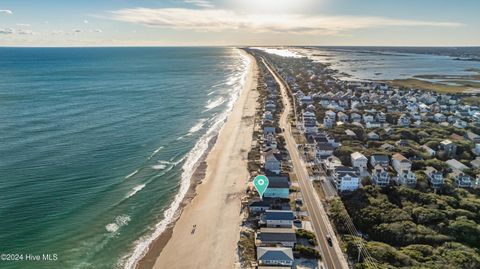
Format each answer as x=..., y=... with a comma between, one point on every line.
x=97, y=146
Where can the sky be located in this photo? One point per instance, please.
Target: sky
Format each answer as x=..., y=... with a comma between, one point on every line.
x=239, y=22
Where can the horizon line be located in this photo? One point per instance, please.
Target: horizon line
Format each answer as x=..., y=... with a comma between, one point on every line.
x=234, y=46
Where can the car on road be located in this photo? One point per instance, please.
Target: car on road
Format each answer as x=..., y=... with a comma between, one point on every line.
x=329, y=240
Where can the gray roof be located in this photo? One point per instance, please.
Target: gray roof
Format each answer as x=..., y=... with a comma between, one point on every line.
x=279, y=184
x=380, y=158
x=278, y=254
x=279, y=215
x=277, y=234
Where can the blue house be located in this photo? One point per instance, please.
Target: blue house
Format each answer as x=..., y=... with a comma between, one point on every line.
x=277, y=189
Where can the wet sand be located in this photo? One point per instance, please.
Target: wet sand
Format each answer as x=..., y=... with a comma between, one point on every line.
x=208, y=229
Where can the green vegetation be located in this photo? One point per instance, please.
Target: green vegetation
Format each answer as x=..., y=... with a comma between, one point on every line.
x=431, y=86
x=301, y=233
x=407, y=228
x=246, y=247
x=471, y=100
x=307, y=252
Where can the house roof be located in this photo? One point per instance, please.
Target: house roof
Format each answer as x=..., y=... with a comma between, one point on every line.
x=262, y=203
x=456, y=164
x=274, y=253
x=277, y=234
x=278, y=184
x=358, y=155
x=279, y=215
x=325, y=146
x=380, y=158
x=399, y=157
x=429, y=170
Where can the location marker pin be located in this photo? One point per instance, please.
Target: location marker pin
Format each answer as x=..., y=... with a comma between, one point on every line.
x=261, y=183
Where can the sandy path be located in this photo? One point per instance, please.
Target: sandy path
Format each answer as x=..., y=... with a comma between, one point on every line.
x=215, y=210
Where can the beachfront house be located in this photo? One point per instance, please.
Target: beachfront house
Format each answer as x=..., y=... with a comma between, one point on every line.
x=256, y=207
x=278, y=218
x=268, y=130
x=275, y=256
x=272, y=164
x=277, y=189
x=274, y=237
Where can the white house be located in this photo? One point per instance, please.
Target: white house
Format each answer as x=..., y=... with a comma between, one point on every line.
x=309, y=122
x=275, y=236
x=400, y=163
x=275, y=256
x=346, y=178
x=359, y=161
x=407, y=178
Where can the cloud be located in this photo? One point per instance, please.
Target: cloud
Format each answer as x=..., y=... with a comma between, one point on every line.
x=85, y=21
x=200, y=3
x=215, y=20
x=6, y=11
x=6, y=31
x=24, y=32
x=23, y=24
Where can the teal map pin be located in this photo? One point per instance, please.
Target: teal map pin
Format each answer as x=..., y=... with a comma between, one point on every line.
x=261, y=183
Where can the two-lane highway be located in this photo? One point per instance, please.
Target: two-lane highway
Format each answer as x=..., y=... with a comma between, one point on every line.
x=332, y=256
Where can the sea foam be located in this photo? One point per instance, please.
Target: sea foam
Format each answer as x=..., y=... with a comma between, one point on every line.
x=191, y=161
x=119, y=221
x=135, y=190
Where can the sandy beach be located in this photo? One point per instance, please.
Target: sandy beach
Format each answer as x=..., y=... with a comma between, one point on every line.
x=207, y=231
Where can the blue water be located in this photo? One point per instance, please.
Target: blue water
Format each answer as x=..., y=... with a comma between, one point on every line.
x=95, y=144
x=384, y=63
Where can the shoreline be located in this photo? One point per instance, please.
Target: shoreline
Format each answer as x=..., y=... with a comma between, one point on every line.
x=206, y=170
x=156, y=247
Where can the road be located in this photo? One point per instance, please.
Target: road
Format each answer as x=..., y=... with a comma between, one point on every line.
x=332, y=257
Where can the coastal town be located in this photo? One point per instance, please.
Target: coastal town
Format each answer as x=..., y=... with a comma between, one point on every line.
x=354, y=137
